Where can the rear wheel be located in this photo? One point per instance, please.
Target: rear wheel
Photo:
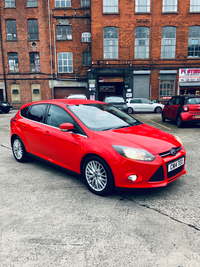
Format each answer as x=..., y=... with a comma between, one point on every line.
x=98, y=176
x=179, y=122
x=19, y=150
x=130, y=110
x=158, y=110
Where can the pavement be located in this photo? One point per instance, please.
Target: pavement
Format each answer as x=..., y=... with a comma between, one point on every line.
x=50, y=219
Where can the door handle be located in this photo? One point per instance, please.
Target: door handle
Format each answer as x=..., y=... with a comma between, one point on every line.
x=46, y=133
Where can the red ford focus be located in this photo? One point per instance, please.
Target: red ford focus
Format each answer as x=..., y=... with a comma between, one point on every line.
x=108, y=147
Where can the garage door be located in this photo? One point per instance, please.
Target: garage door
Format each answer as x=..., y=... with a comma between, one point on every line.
x=63, y=92
x=141, y=86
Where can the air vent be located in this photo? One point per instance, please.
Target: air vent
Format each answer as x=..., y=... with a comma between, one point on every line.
x=33, y=44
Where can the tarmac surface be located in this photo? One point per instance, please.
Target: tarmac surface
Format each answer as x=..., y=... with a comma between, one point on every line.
x=48, y=218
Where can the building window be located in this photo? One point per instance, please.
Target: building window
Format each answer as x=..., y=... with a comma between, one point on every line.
x=64, y=32
x=166, y=88
x=63, y=3
x=110, y=42
x=168, y=43
x=31, y=2
x=65, y=62
x=86, y=37
x=34, y=62
x=13, y=62
x=194, y=5
x=194, y=41
x=85, y=3
x=33, y=29
x=142, y=42
x=86, y=57
x=110, y=6
x=9, y=3
x=169, y=6
x=142, y=6
x=11, y=31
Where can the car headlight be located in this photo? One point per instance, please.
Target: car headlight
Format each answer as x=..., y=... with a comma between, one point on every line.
x=133, y=153
x=4, y=104
x=178, y=139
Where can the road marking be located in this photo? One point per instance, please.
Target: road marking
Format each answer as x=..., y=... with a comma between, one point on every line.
x=153, y=122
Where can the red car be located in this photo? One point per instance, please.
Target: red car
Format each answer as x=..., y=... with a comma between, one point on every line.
x=108, y=147
x=182, y=109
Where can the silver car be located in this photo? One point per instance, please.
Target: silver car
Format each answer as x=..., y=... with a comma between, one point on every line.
x=143, y=105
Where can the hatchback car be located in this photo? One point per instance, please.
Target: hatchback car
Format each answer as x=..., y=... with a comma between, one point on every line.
x=182, y=109
x=108, y=147
x=5, y=107
x=116, y=101
x=143, y=105
x=77, y=96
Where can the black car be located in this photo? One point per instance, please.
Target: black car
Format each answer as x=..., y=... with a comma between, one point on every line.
x=5, y=107
x=116, y=101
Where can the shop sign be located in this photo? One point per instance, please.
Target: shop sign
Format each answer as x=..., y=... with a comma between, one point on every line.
x=111, y=79
x=166, y=97
x=109, y=88
x=189, y=75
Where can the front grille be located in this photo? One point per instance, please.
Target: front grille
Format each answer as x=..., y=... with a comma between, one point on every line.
x=158, y=176
x=174, y=172
x=167, y=153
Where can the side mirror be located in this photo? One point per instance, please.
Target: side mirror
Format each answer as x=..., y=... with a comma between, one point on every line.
x=64, y=127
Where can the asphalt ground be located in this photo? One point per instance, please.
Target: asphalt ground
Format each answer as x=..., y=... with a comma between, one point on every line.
x=49, y=218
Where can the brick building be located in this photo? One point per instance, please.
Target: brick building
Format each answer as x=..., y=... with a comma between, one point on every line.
x=53, y=48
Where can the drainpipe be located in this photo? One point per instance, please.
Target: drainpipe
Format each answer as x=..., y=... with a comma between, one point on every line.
x=4, y=73
x=151, y=57
x=55, y=50
x=49, y=14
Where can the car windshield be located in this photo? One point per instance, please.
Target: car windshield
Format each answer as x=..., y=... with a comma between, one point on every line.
x=102, y=117
x=114, y=99
x=193, y=100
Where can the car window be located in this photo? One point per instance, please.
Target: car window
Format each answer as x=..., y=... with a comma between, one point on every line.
x=193, y=100
x=114, y=99
x=135, y=101
x=24, y=112
x=171, y=101
x=37, y=112
x=145, y=101
x=177, y=101
x=57, y=115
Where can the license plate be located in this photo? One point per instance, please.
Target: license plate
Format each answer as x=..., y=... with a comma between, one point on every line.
x=197, y=116
x=175, y=164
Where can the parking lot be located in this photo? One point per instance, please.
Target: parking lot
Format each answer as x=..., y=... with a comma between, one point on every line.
x=49, y=218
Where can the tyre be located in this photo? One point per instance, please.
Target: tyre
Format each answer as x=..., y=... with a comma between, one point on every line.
x=158, y=110
x=98, y=176
x=163, y=117
x=19, y=150
x=179, y=122
x=1, y=110
x=6, y=111
x=130, y=110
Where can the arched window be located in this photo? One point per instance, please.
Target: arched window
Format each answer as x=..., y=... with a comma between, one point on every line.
x=65, y=62
x=110, y=42
x=142, y=42
x=194, y=41
x=168, y=43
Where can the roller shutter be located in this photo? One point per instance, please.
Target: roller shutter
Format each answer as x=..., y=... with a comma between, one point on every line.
x=63, y=92
x=141, y=86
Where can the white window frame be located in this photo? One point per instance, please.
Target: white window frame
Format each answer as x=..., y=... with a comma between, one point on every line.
x=85, y=3
x=9, y=3
x=170, y=6
x=194, y=40
x=194, y=5
x=66, y=2
x=142, y=43
x=110, y=44
x=110, y=6
x=140, y=8
x=65, y=62
x=168, y=44
x=86, y=37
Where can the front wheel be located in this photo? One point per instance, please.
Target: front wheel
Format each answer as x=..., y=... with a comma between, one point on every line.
x=98, y=176
x=19, y=150
x=130, y=110
x=179, y=122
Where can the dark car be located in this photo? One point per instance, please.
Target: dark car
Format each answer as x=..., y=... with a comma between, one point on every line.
x=5, y=107
x=182, y=109
x=116, y=101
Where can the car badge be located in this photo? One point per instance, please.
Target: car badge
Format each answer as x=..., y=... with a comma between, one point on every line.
x=173, y=151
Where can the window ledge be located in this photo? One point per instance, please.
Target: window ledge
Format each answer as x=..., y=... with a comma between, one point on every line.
x=110, y=13
x=194, y=12
x=64, y=7
x=110, y=59
x=13, y=73
x=31, y=6
x=193, y=58
x=142, y=13
x=13, y=7
x=33, y=40
x=170, y=12
x=11, y=40
x=141, y=59
x=167, y=58
x=64, y=39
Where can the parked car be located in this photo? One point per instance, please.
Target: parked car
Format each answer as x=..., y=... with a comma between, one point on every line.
x=5, y=107
x=182, y=109
x=77, y=96
x=116, y=101
x=143, y=105
x=108, y=147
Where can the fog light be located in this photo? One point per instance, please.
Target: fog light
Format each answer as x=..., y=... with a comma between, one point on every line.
x=133, y=178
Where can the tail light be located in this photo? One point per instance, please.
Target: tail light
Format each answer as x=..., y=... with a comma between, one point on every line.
x=185, y=108
x=13, y=119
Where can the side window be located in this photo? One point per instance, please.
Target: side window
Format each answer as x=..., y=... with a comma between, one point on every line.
x=145, y=101
x=57, y=115
x=36, y=113
x=177, y=101
x=135, y=101
x=171, y=102
x=23, y=112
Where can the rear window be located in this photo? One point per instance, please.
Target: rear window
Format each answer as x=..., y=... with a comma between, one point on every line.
x=194, y=100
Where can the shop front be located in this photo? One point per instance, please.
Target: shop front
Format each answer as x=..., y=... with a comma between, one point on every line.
x=189, y=81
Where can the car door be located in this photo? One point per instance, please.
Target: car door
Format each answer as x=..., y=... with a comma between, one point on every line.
x=175, y=107
x=136, y=105
x=168, y=108
x=30, y=125
x=58, y=147
x=147, y=105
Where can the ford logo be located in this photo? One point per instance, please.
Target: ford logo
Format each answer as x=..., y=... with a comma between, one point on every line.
x=173, y=151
